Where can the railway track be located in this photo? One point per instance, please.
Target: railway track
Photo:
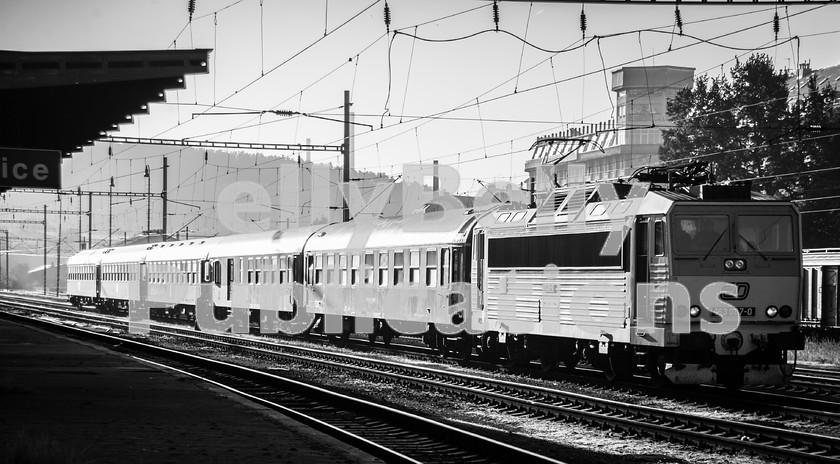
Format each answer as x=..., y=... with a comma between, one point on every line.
x=780, y=442
x=387, y=433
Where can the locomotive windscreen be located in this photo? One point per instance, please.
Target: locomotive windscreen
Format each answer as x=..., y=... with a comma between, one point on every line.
x=567, y=250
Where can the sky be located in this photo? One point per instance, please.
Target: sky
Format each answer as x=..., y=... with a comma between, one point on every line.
x=475, y=98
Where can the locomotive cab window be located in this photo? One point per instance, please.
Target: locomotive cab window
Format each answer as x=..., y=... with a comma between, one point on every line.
x=765, y=234
x=702, y=233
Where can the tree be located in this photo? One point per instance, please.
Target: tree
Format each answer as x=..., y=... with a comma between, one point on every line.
x=746, y=130
x=819, y=144
x=734, y=125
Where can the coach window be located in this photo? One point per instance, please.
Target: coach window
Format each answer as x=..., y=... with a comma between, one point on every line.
x=398, y=267
x=368, y=268
x=431, y=268
x=355, y=264
x=659, y=238
x=342, y=269
x=319, y=268
x=330, y=272
x=383, y=268
x=414, y=267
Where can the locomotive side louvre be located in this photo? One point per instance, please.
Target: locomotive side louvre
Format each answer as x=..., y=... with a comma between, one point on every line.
x=547, y=282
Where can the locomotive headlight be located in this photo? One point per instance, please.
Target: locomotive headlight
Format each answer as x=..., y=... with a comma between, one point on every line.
x=785, y=311
x=734, y=264
x=772, y=311
x=694, y=311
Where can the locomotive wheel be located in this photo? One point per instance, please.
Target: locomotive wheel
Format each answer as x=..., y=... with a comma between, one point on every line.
x=617, y=365
x=656, y=369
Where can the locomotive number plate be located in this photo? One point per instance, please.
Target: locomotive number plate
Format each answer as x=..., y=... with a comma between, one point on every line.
x=746, y=311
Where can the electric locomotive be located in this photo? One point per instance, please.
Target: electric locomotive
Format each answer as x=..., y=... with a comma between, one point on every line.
x=699, y=284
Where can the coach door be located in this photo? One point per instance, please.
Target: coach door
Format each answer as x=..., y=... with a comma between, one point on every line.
x=98, y=280
x=229, y=278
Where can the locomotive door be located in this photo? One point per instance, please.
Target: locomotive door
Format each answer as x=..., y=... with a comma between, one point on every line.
x=651, y=253
x=479, y=268
x=641, y=254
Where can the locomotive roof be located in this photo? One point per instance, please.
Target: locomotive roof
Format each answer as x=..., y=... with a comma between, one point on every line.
x=263, y=243
x=437, y=228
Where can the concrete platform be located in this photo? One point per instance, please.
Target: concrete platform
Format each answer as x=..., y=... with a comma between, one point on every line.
x=62, y=400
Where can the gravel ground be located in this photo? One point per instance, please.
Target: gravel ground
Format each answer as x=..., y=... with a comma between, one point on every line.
x=566, y=441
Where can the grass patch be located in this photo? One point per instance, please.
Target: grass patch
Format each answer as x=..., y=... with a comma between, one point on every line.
x=823, y=351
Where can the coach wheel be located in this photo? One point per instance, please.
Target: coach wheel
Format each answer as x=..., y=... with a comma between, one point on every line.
x=340, y=340
x=572, y=360
x=548, y=362
x=489, y=349
x=464, y=347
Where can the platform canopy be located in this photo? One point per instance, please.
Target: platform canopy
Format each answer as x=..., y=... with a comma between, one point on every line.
x=65, y=100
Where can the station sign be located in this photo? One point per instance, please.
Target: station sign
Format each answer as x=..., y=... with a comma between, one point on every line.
x=20, y=167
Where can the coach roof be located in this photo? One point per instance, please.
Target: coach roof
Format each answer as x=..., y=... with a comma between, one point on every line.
x=264, y=243
x=438, y=228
